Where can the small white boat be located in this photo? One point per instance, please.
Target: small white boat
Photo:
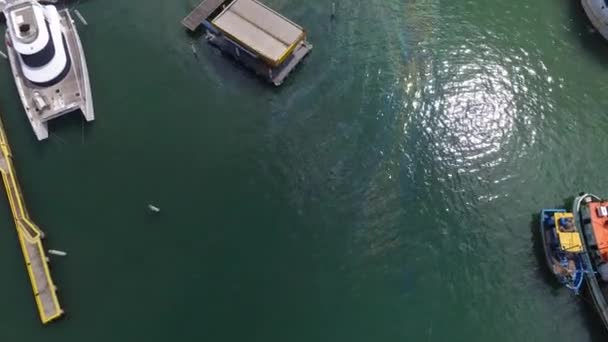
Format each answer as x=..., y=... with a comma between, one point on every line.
x=47, y=61
x=597, y=11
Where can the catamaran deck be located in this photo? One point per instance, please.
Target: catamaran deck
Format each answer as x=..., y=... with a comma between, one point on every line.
x=71, y=94
x=30, y=238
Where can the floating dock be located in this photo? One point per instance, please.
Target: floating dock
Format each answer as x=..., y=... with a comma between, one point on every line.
x=253, y=34
x=30, y=239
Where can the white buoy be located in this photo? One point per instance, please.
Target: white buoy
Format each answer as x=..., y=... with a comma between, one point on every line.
x=153, y=208
x=81, y=17
x=333, y=10
x=56, y=252
x=3, y=55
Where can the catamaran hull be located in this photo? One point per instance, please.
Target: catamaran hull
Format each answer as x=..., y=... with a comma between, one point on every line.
x=597, y=12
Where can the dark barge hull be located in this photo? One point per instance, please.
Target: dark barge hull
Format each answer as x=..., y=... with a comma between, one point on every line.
x=274, y=75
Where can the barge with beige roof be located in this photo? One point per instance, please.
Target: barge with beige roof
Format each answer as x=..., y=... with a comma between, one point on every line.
x=253, y=34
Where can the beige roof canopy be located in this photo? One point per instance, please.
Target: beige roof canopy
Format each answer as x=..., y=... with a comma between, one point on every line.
x=260, y=29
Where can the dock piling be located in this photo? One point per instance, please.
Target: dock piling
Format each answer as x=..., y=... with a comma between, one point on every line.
x=153, y=208
x=194, y=50
x=57, y=252
x=80, y=17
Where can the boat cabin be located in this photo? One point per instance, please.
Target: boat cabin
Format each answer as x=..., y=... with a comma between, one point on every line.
x=36, y=36
x=568, y=236
x=597, y=217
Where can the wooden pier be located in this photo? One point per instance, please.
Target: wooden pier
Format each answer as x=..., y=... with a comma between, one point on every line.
x=200, y=13
x=30, y=238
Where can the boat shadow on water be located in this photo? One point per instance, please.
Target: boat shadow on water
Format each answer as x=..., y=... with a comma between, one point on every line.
x=69, y=127
x=595, y=326
x=590, y=318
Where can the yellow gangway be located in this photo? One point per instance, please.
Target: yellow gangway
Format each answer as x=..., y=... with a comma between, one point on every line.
x=30, y=238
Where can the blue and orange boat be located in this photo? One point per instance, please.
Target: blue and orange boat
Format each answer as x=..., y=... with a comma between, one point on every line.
x=563, y=247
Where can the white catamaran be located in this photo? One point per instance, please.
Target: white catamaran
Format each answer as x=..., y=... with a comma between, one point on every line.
x=47, y=61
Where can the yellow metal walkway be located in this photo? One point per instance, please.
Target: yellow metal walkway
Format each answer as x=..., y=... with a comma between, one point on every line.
x=30, y=238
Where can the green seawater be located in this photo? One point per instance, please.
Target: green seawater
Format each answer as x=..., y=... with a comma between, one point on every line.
x=386, y=192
